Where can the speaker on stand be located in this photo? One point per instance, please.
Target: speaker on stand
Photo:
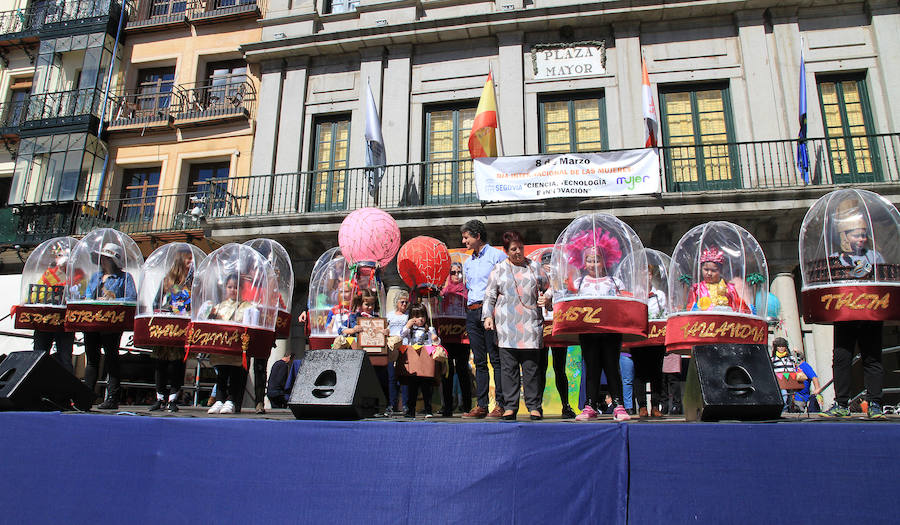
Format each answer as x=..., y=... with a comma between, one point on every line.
x=336, y=384
x=731, y=381
x=33, y=380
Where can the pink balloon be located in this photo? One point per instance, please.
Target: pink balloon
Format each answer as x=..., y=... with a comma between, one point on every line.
x=369, y=234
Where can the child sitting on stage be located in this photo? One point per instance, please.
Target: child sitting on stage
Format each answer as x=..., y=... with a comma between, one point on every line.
x=418, y=332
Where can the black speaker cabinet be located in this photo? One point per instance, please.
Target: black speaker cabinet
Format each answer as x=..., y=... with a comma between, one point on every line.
x=731, y=381
x=336, y=384
x=35, y=381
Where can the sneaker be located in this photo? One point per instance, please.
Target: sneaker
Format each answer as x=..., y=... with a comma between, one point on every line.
x=216, y=408
x=172, y=407
x=567, y=412
x=836, y=410
x=109, y=404
x=620, y=414
x=875, y=411
x=429, y=415
x=476, y=413
x=227, y=408
x=586, y=414
x=411, y=414
x=156, y=406
x=496, y=413
x=260, y=408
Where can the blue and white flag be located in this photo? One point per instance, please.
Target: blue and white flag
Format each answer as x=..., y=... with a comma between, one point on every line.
x=375, y=156
x=802, y=151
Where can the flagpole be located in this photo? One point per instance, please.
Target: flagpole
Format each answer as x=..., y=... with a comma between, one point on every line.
x=497, y=111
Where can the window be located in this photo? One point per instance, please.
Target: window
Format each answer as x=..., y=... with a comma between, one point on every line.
x=449, y=178
x=154, y=91
x=329, y=178
x=208, y=184
x=167, y=7
x=848, y=121
x=573, y=125
x=139, y=188
x=340, y=6
x=697, y=127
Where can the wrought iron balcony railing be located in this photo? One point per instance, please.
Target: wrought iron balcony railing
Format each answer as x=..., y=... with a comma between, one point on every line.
x=204, y=101
x=21, y=23
x=71, y=10
x=764, y=165
x=62, y=104
x=12, y=115
x=140, y=108
x=156, y=13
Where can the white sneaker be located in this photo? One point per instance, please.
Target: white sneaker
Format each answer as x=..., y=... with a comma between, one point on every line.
x=227, y=408
x=216, y=408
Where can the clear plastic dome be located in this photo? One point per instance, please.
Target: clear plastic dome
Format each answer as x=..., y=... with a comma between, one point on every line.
x=658, y=276
x=284, y=271
x=598, y=256
x=718, y=267
x=543, y=255
x=332, y=287
x=44, y=277
x=168, y=274
x=850, y=237
x=235, y=285
x=105, y=252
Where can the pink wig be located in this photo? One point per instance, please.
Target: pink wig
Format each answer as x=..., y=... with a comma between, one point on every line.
x=605, y=243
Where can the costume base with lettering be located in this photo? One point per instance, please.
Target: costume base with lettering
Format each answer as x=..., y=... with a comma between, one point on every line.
x=601, y=315
x=684, y=331
x=283, y=325
x=870, y=302
x=99, y=317
x=40, y=317
x=451, y=329
x=230, y=339
x=656, y=336
x=158, y=331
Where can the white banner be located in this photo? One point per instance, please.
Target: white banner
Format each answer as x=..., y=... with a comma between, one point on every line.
x=631, y=172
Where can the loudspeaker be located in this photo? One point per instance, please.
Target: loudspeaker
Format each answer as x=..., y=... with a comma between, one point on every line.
x=731, y=381
x=35, y=381
x=336, y=384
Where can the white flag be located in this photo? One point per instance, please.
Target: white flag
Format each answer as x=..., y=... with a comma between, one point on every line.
x=375, y=156
x=651, y=121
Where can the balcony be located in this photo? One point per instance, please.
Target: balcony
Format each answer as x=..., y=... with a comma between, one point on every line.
x=80, y=16
x=21, y=26
x=140, y=110
x=12, y=115
x=148, y=15
x=215, y=11
x=62, y=108
x=200, y=103
x=155, y=14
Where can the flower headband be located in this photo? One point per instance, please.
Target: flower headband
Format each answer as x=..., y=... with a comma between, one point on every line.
x=713, y=255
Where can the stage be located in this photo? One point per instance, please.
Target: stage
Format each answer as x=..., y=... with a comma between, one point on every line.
x=97, y=468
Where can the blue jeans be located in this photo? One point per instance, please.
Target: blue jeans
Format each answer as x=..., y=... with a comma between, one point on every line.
x=626, y=366
x=484, y=344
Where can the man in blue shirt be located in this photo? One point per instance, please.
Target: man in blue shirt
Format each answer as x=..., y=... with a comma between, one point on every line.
x=477, y=269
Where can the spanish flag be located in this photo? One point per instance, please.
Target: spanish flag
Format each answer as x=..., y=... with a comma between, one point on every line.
x=483, y=138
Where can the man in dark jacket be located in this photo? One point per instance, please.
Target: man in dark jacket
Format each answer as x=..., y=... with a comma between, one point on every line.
x=275, y=390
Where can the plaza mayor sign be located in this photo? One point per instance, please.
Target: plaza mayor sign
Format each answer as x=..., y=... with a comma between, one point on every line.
x=568, y=60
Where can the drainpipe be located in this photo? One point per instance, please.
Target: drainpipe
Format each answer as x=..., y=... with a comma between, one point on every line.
x=112, y=63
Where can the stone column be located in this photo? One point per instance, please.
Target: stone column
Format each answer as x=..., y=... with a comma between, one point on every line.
x=630, y=132
x=267, y=117
x=885, y=23
x=510, y=83
x=821, y=358
x=783, y=288
x=395, y=104
x=287, y=182
x=760, y=77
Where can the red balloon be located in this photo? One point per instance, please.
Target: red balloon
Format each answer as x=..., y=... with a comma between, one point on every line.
x=423, y=261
